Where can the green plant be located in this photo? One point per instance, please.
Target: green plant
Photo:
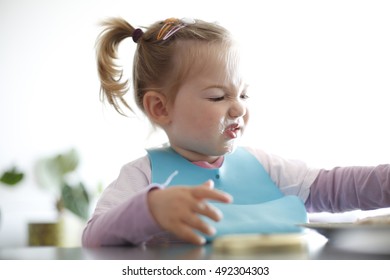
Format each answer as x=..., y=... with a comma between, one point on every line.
x=59, y=175
x=11, y=177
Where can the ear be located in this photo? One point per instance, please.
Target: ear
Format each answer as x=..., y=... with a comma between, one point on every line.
x=155, y=105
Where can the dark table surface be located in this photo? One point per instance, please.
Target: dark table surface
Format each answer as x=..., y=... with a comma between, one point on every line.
x=316, y=247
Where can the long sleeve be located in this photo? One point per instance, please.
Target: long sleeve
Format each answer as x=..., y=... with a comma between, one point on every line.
x=350, y=188
x=127, y=223
x=122, y=214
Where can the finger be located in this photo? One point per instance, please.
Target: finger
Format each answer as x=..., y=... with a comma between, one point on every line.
x=187, y=233
x=195, y=222
x=209, y=184
x=208, y=210
x=202, y=192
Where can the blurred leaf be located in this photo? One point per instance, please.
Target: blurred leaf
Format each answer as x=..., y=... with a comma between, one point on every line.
x=67, y=162
x=11, y=177
x=76, y=199
x=50, y=172
x=57, y=173
x=48, y=176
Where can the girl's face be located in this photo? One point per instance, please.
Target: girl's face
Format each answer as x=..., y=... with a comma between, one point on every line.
x=209, y=113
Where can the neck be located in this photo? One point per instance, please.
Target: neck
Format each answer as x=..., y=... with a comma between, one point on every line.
x=215, y=164
x=194, y=156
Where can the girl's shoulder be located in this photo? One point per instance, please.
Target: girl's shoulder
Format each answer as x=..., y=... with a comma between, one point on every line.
x=272, y=162
x=142, y=163
x=134, y=175
x=263, y=157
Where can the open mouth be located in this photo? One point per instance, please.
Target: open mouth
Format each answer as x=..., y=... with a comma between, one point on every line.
x=232, y=131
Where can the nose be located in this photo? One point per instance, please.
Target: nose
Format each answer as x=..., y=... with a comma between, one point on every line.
x=238, y=109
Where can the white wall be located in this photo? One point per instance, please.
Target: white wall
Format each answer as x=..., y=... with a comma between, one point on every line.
x=319, y=74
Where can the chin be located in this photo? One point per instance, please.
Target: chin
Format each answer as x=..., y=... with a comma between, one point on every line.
x=230, y=147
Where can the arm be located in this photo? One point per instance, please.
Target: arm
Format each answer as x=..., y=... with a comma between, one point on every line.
x=129, y=213
x=127, y=223
x=350, y=188
x=122, y=215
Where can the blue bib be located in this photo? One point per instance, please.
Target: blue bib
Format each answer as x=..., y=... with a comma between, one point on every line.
x=258, y=204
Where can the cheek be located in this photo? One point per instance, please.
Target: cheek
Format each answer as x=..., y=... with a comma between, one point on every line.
x=205, y=123
x=210, y=116
x=197, y=114
x=202, y=122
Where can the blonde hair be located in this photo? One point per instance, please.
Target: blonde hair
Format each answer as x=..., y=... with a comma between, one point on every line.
x=156, y=65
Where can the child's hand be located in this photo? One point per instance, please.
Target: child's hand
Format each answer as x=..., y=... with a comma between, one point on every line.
x=176, y=209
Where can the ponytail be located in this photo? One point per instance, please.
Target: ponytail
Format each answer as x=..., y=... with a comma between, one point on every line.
x=110, y=74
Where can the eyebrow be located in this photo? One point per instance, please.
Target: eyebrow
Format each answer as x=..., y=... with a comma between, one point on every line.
x=243, y=87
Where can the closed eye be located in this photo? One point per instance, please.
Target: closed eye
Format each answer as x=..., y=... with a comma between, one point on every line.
x=216, y=99
x=244, y=96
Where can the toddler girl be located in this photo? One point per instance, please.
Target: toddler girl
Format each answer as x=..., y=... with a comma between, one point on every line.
x=186, y=80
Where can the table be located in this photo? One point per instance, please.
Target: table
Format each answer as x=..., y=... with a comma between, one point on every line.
x=317, y=248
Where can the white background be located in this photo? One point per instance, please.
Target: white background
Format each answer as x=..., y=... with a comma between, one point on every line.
x=318, y=73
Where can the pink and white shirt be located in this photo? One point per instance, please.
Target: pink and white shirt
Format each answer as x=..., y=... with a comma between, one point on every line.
x=122, y=215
